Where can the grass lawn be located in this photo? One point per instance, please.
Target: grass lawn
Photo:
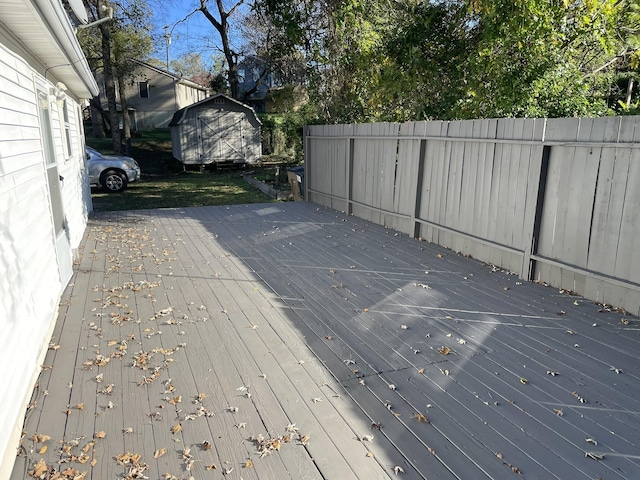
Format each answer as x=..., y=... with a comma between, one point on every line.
x=164, y=184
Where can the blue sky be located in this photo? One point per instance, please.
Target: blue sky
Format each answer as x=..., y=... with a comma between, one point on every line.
x=195, y=34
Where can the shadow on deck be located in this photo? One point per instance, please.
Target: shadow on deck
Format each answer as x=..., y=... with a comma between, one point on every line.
x=291, y=341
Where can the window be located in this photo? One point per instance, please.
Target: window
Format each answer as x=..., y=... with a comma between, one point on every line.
x=45, y=125
x=143, y=88
x=66, y=126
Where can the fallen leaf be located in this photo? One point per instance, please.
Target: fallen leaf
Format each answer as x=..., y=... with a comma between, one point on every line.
x=213, y=466
x=369, y=454
x=398, y=469
x=160, y=453
x=594, y=456
x=39, y=469
x=444, y=350
x=421, y=418
x=248, y=464
x=206, y=445
x=176, y=428
x=43, y=450
x=100, y=434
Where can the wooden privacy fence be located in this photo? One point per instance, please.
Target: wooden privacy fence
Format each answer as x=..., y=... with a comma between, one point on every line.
x=553, y=200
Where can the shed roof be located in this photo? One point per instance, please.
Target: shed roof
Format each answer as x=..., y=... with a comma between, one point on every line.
x=180, y=115
x=175, y=76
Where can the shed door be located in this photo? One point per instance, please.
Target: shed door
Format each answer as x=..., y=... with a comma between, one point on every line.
x=221, y=137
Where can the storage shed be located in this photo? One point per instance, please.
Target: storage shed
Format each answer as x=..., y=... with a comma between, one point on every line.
x=217, y=130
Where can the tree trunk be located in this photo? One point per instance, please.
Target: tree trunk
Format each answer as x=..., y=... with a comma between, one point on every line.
x=629, y=92
x=126, y=121
x=97, y=122
x=222, y=27
x=109, y=84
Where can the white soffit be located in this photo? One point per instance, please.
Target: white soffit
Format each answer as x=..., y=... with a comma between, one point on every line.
x=44, y=29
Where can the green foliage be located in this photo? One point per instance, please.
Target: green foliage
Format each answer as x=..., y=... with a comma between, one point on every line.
x=413, y=59
x=282, y=133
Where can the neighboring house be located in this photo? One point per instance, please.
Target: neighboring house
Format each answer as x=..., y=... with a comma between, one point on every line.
x=265, y=91
x=255, y=82
x=154, y=94
x=218, y=129
x=44, y=192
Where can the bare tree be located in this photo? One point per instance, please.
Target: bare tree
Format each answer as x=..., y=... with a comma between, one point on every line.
x=221, y=24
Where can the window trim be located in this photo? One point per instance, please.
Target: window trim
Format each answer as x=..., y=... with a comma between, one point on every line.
x=144, y=83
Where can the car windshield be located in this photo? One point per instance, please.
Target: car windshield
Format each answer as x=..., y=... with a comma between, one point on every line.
x=93, y=151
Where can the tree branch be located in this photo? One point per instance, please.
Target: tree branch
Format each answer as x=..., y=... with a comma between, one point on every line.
x=213, y=20
x=609, y=63
x=233, y=9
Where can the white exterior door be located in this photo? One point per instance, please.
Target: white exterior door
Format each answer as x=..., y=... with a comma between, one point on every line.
x=63, y=246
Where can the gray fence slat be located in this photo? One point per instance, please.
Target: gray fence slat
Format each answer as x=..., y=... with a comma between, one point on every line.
x=479, y=189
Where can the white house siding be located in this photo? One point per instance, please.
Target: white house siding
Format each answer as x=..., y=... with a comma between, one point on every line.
x=188, y=95
x=30, y=282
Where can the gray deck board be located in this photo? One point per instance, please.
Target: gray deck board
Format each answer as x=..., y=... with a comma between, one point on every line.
x=333, y=310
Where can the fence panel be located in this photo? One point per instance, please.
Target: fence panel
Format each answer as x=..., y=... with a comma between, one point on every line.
x=555, y=200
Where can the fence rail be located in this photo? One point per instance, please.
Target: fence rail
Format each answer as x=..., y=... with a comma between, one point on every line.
x=553, y=200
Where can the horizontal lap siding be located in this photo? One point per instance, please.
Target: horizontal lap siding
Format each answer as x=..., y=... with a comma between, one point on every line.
x=29, y=277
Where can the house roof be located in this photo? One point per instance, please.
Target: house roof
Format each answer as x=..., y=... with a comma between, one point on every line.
x=179, y=116
x=175, y=76
x=43, y=29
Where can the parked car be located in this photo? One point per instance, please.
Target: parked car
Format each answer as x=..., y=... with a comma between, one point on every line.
x=112, y=173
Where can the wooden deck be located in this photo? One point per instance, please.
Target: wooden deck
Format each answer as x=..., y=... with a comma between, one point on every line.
x=289, y=341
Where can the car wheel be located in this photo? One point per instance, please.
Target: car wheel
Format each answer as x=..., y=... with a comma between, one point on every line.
x=113, y=181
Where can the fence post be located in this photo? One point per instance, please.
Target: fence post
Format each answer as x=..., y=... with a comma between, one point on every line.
x=528, y=265
x=350, y=153
x=307, y=161
x=416, y=209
